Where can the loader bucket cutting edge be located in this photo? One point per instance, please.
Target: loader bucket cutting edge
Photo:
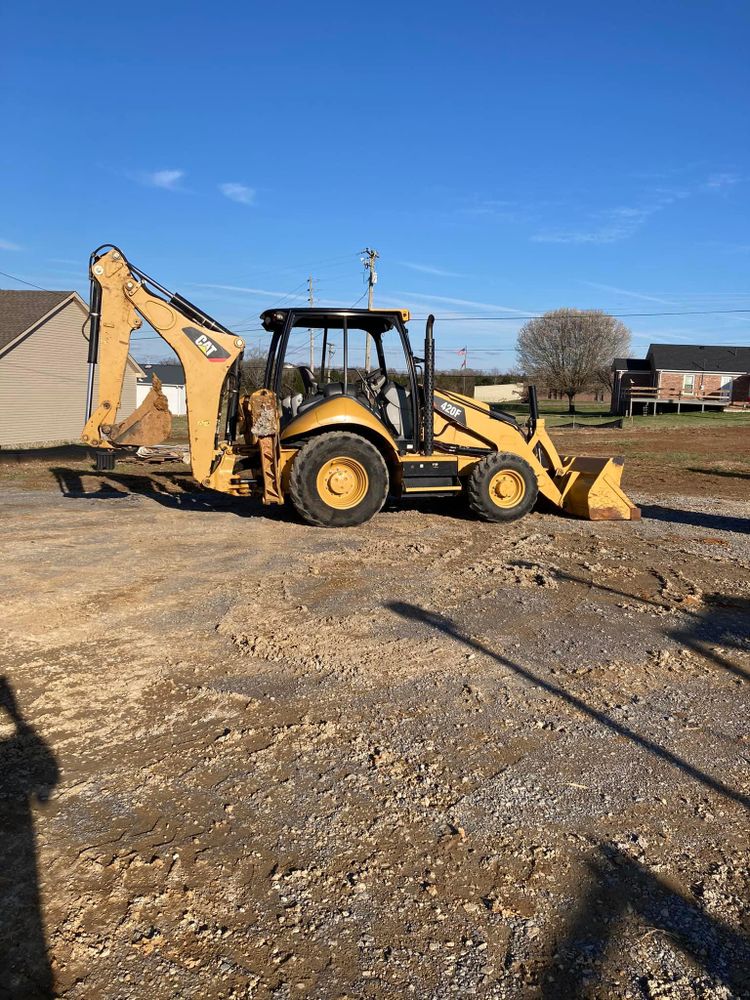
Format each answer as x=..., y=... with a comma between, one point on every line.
x=150, y=424
x=590, y=488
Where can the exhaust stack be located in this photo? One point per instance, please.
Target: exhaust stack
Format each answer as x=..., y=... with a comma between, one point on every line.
x=429, y=386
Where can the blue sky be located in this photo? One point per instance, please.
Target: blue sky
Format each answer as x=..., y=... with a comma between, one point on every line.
x=502, y=158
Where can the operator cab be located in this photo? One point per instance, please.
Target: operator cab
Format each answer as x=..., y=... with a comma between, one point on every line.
x=361, y=354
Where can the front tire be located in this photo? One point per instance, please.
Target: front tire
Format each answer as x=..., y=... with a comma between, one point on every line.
x=338, y=480
x=502, y=487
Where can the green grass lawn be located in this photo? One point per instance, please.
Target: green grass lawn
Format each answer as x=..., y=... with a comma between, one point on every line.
x=179, y=430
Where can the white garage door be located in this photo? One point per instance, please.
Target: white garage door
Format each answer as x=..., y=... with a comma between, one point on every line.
x=175, y=396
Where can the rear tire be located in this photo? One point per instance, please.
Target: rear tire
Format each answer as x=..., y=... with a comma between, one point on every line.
x=338, y=480
x=502, y=487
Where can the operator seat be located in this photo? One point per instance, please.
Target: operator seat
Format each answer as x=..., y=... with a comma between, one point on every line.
x=290, y=405
x=322, y=392
x=309, y=384
x=397, y=406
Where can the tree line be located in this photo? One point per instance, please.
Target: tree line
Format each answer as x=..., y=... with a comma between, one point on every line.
x=568, y=351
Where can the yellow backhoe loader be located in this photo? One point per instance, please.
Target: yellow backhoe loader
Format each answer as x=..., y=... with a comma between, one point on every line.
x=338, y=441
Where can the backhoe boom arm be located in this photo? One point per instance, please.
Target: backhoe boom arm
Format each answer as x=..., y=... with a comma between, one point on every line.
x=207, y=352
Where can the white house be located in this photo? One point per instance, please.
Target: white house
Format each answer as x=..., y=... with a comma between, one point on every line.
x=172, y=380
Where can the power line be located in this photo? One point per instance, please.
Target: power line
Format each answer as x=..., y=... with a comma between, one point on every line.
x=372, y=279
x=476, y=349
x=23, y=281
x=511, y=319
x=306, y=265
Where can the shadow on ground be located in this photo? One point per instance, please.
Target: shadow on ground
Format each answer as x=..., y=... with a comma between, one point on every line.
x=723, y=622
x=698, y=519
x=725, y=473
x=443, y=624
x=181, y=494
x=28, y=772
x=621, y=885
x=622, y=889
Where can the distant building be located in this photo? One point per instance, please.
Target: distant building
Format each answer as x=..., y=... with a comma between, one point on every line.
x=44, y=369
x=172, y=380
x=679, y=376
x=511, y=392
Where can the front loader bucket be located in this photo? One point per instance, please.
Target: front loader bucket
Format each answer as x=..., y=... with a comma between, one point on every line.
x=150, y=424
x=590, y=488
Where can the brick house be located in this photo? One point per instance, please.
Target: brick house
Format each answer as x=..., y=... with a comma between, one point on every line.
x=677, y=376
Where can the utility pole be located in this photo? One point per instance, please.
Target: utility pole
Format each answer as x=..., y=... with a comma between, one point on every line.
x=372, y=279
x=311, y=300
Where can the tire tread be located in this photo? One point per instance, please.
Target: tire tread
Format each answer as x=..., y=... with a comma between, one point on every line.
x=306, y=457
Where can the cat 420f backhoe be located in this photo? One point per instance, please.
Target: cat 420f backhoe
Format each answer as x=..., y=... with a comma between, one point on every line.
x=338, y=442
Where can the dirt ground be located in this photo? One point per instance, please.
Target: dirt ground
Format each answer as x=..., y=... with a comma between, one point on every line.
x=431, y=757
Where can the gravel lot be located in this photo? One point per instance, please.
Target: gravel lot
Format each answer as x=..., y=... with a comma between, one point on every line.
x=426, y=757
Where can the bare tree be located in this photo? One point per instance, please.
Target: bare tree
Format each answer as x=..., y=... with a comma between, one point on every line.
x=253, y=369
x=571, y=349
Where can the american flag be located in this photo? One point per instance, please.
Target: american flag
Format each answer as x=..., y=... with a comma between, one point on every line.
x=465, y=353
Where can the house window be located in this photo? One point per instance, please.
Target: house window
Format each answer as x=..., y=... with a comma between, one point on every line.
x=688, y=384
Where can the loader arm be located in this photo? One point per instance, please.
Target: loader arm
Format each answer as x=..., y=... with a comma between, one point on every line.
x=121, y=295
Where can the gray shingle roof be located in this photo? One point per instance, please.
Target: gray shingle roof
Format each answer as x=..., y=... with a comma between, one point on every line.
x=631, y=365
x=21, y=309
x=698, y=358
x=167, y=374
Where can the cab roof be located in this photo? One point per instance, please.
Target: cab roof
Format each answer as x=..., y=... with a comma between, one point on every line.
x=371, y=320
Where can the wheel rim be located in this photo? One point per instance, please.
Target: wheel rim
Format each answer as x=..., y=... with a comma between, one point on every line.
x=507, y=488
x=342, y=483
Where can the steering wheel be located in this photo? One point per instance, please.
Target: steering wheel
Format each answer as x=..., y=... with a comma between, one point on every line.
x=369, y=380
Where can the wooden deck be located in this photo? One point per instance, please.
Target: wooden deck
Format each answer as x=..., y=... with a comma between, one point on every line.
x=655, y=395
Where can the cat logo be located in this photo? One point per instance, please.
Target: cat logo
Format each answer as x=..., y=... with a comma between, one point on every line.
x=207, y=347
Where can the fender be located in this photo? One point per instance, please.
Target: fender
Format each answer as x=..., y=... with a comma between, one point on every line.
x=336, y=413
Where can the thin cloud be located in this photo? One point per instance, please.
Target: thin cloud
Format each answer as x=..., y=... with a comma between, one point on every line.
x=468, y=303
x=240, y=193
x=167, y=180
x=624, y=291
x=429, y=269
x=617, y=224
x=262, y=292
x=9, y=245
x=717, y=182
x=273, y=298
x=727, y=247
x=492, y=208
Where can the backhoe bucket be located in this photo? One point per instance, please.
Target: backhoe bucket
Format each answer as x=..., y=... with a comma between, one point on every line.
x=150, y=424
x=590, y=488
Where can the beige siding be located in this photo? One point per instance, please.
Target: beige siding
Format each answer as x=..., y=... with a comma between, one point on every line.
x=512, y=392
x=43, y=382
